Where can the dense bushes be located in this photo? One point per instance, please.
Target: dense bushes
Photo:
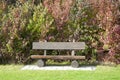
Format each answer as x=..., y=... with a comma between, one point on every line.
x=25, y=21
x=21, y=25
x=14, y=34
x=108, y=16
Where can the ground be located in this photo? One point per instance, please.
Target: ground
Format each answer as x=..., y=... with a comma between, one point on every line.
x=14, y=72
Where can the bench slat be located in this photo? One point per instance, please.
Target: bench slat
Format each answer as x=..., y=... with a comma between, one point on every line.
x=62, y=57
x=58, y=45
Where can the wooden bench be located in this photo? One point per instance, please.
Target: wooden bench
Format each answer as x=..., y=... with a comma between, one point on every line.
x=58, y=46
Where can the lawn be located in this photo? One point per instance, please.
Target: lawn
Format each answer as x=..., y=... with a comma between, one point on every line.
x=13, y=72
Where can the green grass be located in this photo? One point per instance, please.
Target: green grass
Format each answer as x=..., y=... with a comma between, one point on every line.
x=13, y=72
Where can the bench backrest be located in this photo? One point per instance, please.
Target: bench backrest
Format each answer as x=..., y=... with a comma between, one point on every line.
x=58, y=45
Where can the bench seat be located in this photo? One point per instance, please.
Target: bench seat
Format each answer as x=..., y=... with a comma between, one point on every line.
x=62, y=57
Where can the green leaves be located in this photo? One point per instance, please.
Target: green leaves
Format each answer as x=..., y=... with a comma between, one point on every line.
x=83, y=27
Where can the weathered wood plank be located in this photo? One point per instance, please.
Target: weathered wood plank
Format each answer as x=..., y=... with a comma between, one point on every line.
x=62, y=57
x=58, y=45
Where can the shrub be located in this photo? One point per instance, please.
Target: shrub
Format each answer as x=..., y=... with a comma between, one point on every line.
x=22, y=25
x=83, y=26
x=108, y=12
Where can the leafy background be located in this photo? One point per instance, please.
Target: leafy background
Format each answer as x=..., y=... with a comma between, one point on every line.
x=96, y=22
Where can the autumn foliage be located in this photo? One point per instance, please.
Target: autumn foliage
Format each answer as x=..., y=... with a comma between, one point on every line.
x=108, y=16
x=60, y=10
x=96, y=22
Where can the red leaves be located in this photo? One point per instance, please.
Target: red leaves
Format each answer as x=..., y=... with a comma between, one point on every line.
x=107, y=14
x=116, y=29
x=60, y=10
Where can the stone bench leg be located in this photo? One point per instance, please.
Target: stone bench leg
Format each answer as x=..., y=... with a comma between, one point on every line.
x=75, y=64
x=41, y=63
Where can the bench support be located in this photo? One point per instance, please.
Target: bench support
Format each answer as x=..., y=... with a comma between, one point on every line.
x=45, y=52
x=75, y=64
x=41, y=63
x=73, y=53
